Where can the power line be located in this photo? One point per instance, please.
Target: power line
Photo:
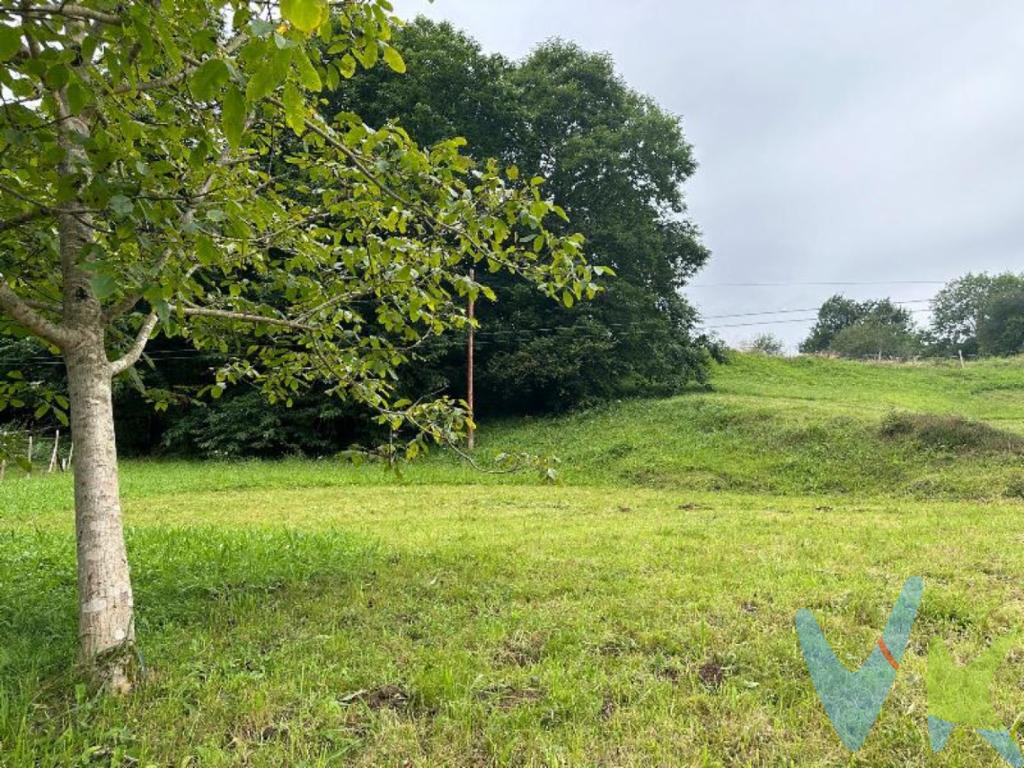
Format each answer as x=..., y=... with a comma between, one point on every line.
x=781, y=322
x=816, y=283
x=793, y=311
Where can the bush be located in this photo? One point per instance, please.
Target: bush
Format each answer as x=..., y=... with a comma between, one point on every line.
x=950, y=433
x=1015, y=488
x=244, y=425
x=766, y=344
x=870, y=338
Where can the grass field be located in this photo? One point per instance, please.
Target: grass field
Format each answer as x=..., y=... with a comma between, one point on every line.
x=638, y=613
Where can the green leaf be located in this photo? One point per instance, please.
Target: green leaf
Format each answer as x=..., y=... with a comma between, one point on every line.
x=347, y=66
x=308, y=75
x=208, y=79
x=206, y=251
x=233, y=116
x=294, y=109
x=78, y=96
x=394, y=59
x=57, y=76
x=264, y=81
x=304, y=15
x=367, y=55
x=103, y=286
x=10, y=42
x=121, y=205
x=163, y=31
x=163, y=311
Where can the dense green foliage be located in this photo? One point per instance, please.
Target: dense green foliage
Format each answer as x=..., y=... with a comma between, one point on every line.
x=961, y=305
x=310, y=613
x=168, y=171
x=1001, y=324
x=616, y=162
x=860, y=329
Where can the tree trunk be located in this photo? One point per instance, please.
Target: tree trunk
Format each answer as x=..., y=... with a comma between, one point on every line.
x=105, y=616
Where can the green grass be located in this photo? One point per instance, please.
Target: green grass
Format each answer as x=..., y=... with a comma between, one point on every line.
x=639, y=613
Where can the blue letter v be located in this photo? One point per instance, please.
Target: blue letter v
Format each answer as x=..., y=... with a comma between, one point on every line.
x=854, y=699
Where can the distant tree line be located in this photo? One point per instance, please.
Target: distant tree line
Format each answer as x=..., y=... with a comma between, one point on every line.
x=974, y=315
x=614, y=160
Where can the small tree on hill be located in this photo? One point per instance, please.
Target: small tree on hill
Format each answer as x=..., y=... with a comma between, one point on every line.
x=766, y=344
x=1001, y=325
x=958, y=308
x=871, y=338
x=890, y=324
x=145, y=189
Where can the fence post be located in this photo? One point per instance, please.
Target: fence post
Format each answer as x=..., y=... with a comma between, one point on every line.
x=30, y=454
x=53, y=455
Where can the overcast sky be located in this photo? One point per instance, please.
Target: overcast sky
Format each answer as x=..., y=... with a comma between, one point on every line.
x=838, y=141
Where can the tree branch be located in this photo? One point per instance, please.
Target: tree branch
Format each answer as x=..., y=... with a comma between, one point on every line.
x=245, y=317
x=131, y=357
x=68, y=10
x=193, y=64
x=19, y=310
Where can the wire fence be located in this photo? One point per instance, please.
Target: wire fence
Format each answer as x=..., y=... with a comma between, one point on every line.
x=34, y=451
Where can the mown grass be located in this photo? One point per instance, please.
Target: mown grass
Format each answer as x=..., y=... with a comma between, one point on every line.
x=307, y=614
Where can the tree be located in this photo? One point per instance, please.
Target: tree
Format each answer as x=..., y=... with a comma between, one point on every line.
x=835, y=314
x=874, y=338
x=957, y=308
x=766, y=344
x=886, y=325
x=1001, y=325
x=617, y=162
x=148, y=188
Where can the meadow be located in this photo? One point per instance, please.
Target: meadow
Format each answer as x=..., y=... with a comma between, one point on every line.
x=637, y=612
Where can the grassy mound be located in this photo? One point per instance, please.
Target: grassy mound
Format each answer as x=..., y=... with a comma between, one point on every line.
x=950, y=433
x=805, y=426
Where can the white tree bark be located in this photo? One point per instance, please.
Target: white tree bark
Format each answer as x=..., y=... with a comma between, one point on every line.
x=105, y=604
x=105, y=607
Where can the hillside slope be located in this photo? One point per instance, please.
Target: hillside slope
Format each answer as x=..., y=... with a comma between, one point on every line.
x=804, y=425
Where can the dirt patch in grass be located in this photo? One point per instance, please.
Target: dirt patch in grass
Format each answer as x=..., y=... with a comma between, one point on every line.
x=385, y=697
x=510, y=696
x=521, y=649
x=711, y=674
x=950, y=433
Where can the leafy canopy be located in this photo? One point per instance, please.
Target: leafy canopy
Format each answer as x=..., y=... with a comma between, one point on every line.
x=961, y=305
x=616, y=161
x=223, y=206
x=858, y=328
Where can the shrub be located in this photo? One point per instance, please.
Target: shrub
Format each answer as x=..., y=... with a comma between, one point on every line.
x=951, y=433
x=1015, y=488
x=766, y=344
x=870, y=338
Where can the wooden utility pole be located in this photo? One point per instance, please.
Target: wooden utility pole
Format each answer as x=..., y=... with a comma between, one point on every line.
x=469, y=366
